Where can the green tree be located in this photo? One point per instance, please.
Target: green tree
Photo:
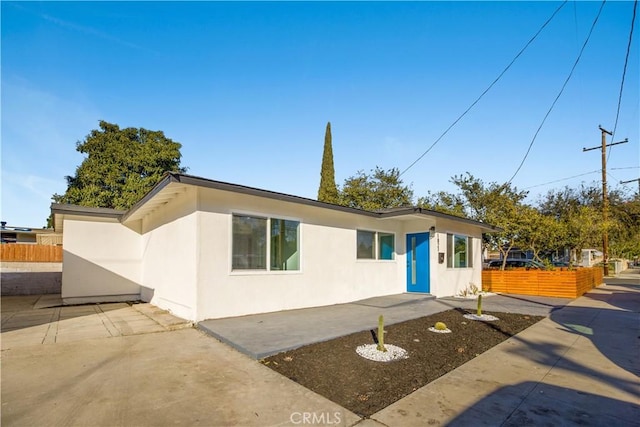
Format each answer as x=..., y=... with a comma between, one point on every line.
x=578, y=212
x=625, y=241
x=541, y=233
x=499, y=205
x=493, y=203
x=328, y=192
x=121, y=165
x=624, y=224
x=441, y=201
x=379, y=190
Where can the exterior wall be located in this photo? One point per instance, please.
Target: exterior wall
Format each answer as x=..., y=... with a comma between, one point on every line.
x=169, y=256
x=178, y=257
x=101, y=261
x=454, y=280
x=450, y=281
x=30, y=278
x=329, y=271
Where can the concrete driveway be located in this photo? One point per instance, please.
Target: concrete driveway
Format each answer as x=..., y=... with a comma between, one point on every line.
x=40, y=319
x=122, y=365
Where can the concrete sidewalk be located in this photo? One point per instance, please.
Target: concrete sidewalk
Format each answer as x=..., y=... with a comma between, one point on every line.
x=579, y=366
x=262, y=335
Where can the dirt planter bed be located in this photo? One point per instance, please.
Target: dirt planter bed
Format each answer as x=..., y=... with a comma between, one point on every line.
x=335, y=370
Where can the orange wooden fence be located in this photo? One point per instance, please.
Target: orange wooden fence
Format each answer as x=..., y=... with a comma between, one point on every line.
x=550, y=283
x=16, y=252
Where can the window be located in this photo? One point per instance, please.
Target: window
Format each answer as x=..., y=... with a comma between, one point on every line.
x=251, y=248
x=459, y=254
x=386, y=245
x=284, y=245
x=375, y=245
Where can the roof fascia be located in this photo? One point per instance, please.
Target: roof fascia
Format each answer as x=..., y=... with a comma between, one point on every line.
x=428, y=212
x=66, y=209
x=169, y=178
x=241, y=189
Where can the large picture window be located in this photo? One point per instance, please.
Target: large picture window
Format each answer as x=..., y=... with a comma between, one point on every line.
x=375, y=245
x=251, y=248
x=459, y=253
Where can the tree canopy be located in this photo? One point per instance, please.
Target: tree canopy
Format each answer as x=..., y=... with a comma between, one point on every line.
x=564, y=219
x=121, y=165
x=380, y=189
x=493, y=203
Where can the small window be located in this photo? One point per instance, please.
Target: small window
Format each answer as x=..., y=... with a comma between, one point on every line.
x=366, y=242
x=386, y=245
x=375, y=245
x=285, y=253
x=459, y=253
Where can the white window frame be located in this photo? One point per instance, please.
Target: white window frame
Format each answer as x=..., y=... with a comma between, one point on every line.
x=376, y=246
x=267, y=270
x=450, y=245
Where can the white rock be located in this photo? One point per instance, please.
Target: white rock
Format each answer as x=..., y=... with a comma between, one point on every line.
x=482, y=317
x=371, y=352
x=440, y=331
x=471, y=296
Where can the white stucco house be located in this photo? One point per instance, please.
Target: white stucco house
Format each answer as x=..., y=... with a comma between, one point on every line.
x=206, y=249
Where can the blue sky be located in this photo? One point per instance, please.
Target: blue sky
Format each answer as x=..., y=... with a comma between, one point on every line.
x=248, y=88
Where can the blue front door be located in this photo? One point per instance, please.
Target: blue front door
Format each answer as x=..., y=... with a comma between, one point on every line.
x=418, y=262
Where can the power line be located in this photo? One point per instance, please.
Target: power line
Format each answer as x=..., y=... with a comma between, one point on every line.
x=576, y=176
x=624, y=70
x=562, y=179
x=559, y=93
x=486, y=90
x=628, y=167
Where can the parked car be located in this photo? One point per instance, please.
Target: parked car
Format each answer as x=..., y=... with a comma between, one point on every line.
x=517, y=263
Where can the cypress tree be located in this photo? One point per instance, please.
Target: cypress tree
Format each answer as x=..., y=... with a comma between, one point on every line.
x=328, y=192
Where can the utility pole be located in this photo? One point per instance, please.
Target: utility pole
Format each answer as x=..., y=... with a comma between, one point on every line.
x=605, y=199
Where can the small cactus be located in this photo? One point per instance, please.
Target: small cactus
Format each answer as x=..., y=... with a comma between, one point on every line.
x=479, y=313
x=381, y=346
x=440, y=326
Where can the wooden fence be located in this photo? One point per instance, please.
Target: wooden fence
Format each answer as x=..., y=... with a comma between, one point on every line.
x=16, y=252
x=549, y=283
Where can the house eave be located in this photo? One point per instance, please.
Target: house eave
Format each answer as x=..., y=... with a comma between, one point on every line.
x=60, y=210
x=136, y=211
x=174, y=183
x=418, y=212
